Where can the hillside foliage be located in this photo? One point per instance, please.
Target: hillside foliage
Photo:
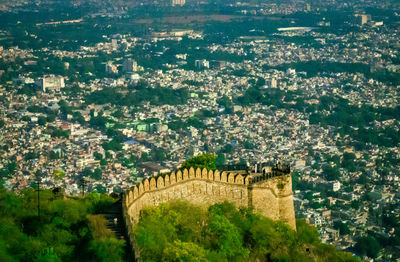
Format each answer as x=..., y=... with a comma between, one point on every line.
x=201, y=161
x=181, y=231
x=68, y=229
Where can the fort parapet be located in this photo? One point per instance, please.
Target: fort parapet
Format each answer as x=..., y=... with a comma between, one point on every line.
x=269, y=193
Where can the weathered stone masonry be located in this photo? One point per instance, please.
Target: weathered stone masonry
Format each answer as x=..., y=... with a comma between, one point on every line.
x=269, y=193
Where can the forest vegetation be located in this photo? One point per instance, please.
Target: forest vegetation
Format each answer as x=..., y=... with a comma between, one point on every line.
x=69, y=228
x=181, y=231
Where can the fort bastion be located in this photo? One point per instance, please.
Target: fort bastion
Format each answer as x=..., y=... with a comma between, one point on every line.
x=268, y=192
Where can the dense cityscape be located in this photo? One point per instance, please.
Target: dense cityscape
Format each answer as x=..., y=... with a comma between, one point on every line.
x=109, y=96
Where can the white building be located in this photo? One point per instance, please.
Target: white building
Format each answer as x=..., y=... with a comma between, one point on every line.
x=181, y=56
x=50, y=82
x=274, y=83
x=133, y=77
x=291, y=71
x=335, y=186
x=202, y=64
x=178, y=2
x=316, y=220
x=114, y=44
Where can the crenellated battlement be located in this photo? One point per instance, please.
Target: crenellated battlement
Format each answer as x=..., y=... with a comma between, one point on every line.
x=269, y=192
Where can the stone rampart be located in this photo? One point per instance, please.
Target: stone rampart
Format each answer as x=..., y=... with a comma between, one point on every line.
x=269, y=193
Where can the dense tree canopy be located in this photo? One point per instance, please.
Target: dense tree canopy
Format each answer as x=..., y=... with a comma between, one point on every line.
x=66, y=230
x=180, y=231
x=202, y=161
x=368, y=245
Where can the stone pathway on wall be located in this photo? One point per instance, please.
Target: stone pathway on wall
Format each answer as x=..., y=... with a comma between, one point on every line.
x=115, y=223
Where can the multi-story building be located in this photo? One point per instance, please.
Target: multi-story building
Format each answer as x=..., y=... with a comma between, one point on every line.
x=50, y=82
x=129, y=65
x=202, y=63
x=362, y=19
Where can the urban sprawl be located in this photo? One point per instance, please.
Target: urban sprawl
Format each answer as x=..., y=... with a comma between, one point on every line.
x=112, y=112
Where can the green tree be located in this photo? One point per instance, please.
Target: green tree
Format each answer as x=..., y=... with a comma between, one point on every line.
x=103, y=162
x=11, y=167
x=368, y=245
x=363, y=179
x=50, y=118
x=225, y=102
x=331, y=173
x=87, y=172
x=201, y=161
x=26, y=119
x=306, y=233
x=62, y=233
x=58, y=174
x=42, y=120
x=228, y=149
x=184, y=251
x=100, y=189
x=356, y=204
x=180, y=231
x=48, y=256
x=159, y=154
x=226, y=238
x=30, y=155
x=108, y=249
x=343, y=227
x=53, y=155
x=220, y=159
x=154, y=231
x=97, y=156
x=97, y=174
x=348, y=161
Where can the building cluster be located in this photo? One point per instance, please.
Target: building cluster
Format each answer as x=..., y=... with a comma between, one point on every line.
x=54, y=130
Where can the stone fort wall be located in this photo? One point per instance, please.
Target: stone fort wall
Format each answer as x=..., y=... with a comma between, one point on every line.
x=269, y=193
